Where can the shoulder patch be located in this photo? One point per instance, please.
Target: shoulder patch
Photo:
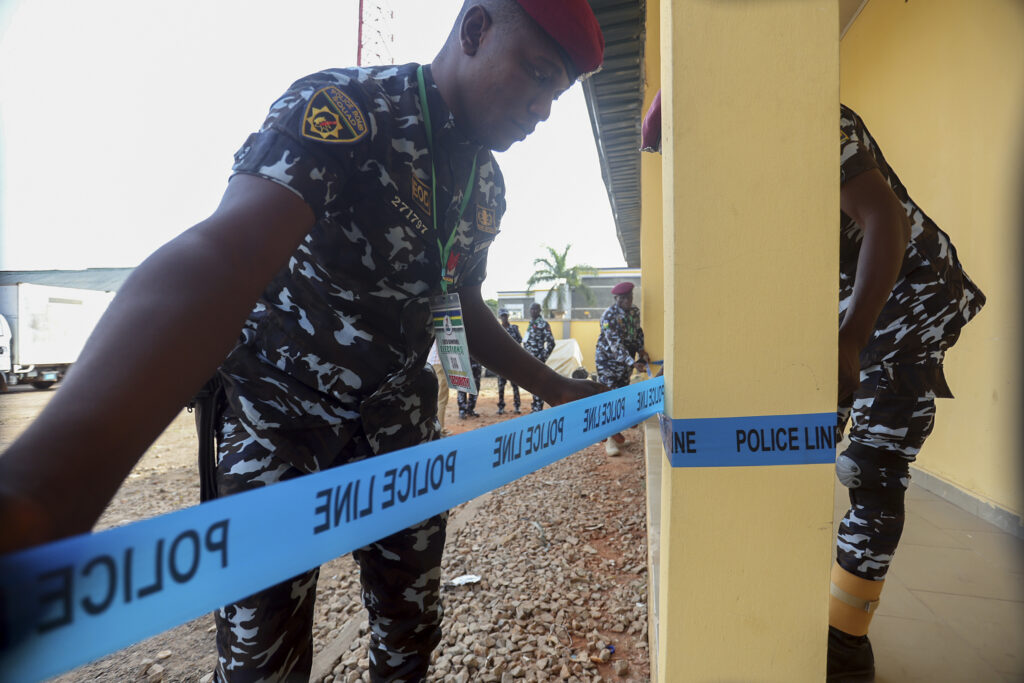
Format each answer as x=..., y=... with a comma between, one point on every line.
x=485, y=219
x=333, y=116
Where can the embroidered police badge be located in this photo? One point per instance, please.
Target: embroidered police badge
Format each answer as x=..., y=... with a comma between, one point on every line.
x=421, y=194
x=485, y=219
x=332, y=116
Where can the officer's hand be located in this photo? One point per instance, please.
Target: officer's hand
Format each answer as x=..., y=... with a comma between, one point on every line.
x=25, y=523
x=574, y=389
x=849, y=367
x=640, y=365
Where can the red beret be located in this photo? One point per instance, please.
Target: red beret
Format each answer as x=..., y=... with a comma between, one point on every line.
x=622, y=288
x=650, y=132
x=571, y=24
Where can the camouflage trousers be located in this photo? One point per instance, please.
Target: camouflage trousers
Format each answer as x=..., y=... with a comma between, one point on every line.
x=501, y=393
x=467, y=402
x=268, y=636
x=887, y=430
x=613, y=375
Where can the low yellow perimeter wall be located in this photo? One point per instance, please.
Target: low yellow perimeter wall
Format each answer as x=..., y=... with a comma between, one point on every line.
x=585, y=332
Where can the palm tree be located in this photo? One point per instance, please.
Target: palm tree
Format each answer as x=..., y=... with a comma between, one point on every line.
x=553, y=269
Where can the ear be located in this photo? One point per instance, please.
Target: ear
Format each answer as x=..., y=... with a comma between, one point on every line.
x=475, y=24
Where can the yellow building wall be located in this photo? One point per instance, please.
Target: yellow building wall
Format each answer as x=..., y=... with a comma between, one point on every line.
x=750, y=176
x=585, y=332
x=940, y=85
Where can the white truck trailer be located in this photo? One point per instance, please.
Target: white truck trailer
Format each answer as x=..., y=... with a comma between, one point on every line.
x=43, y=329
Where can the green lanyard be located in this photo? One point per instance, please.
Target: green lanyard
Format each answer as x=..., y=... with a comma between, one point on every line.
x=445, y=250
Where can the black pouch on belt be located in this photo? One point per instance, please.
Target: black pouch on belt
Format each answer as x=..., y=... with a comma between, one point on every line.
x=208, y=404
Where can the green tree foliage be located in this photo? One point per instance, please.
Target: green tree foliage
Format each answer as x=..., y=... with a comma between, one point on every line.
x=563, y=278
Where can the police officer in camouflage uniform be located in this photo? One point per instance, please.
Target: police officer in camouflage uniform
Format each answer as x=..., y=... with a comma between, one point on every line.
x=467, y=401
x=620, y=348
x=540, y=342
x=620, y=345
x=334, y=223
x=904, y=298
x=513, y=331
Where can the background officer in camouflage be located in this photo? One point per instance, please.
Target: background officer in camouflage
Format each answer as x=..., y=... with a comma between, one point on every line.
x=620, y=348
x=539, y=343
x=513, y=331
x=307, y=291
x=467, y=401
x=903, y=299
x=620, y=345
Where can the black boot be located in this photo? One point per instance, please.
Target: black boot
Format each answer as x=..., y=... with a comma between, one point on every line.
x=501, y=410
x=850, y=659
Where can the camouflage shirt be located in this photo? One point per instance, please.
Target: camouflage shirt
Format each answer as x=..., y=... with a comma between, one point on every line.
x=621, y=337
x=933, y=297
x=539, y=340
x=513, y=331
x=338, y=340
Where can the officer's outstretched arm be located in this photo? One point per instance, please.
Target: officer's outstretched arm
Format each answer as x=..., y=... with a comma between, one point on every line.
x=164, y=334
x=494, y=348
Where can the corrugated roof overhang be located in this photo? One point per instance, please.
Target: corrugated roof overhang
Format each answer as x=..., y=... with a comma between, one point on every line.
x=615, y=101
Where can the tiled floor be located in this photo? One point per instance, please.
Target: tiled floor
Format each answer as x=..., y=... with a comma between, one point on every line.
x=953, y=605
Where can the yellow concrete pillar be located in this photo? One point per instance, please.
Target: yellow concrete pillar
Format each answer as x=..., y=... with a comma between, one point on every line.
x=751, y=203
x=651, y=235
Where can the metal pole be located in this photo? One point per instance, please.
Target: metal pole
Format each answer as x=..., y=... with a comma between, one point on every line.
x=359, y=45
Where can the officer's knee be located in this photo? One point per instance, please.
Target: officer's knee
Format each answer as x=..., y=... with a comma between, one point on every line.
x=875, y=477
x=848, y=471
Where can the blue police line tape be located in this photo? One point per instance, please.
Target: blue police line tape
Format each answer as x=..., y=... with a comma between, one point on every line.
x=748, y=441
x=72, y=601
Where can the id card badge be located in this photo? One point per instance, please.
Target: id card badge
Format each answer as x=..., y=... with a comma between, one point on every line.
x=452, y=347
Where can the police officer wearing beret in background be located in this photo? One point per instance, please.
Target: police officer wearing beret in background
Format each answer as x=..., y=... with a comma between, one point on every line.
x=513, y=331
x=366, y=192
x=620, y=348
x=539, y=343
x=903, y=299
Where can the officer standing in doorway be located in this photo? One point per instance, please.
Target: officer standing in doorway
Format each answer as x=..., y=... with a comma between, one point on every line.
x=539, y=343
x=903, y=300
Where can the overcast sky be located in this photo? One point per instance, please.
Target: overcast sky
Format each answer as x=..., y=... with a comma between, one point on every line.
x=119, y=118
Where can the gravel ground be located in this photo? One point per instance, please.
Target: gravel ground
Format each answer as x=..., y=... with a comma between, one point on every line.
x=561, y=556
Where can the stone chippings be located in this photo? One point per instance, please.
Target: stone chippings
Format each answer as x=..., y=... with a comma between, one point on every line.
x=562, y=558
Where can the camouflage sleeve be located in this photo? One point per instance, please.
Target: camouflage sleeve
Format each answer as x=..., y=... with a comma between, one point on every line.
x=314, y=138
x=514, y=331
x=855, y=155
x=549, y=340
x=639, y=330
x=492, y=185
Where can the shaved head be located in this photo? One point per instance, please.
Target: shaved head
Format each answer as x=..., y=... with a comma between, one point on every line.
x=504, y=13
